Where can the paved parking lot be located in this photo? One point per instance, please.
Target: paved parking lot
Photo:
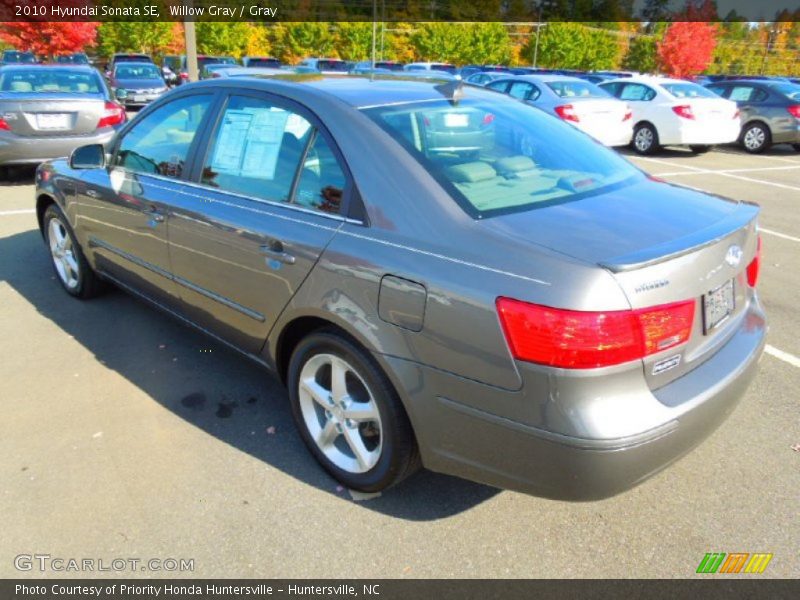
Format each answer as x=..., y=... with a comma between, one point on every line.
x=127, y=435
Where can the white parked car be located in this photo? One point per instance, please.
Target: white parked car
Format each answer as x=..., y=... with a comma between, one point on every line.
x=432, y=66
x=576, y=101
x=675, y=112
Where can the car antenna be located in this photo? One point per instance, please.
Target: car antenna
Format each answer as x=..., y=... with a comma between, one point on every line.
x=452, y=90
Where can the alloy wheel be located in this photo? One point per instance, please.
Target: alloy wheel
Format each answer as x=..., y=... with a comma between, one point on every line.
x=62, y=252
x=754, y=138
x=340, y=413
x=643, y=139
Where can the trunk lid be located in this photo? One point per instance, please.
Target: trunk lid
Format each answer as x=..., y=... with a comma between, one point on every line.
x=51, y=115
x=662, y=244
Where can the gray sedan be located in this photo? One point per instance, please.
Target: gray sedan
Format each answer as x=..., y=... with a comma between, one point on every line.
x=137, y=83
x=48, y=111
x=441, y=276
x=770, y=111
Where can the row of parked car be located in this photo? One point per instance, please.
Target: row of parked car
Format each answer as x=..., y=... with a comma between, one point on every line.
x=49, y=109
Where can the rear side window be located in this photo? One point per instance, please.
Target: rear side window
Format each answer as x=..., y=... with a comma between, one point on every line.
x=159, y=144
x=523, y=91
x=719, y=90
x=257, y=150
x=612, y=88
x=747, y=93
x=637, y=92
x=498, y=86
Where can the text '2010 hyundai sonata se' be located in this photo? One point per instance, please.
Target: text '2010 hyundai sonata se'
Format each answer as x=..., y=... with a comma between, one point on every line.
x=442, y=276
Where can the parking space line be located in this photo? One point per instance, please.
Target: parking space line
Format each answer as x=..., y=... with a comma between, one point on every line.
x=731, y=175
x=721, y=171
x=780, y=235
x=761, y=156
x=781, y=355
x=22, y=211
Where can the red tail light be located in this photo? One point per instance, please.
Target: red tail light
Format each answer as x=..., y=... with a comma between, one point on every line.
x=567, y=112
x=585, y=340
x=754, y=267
x=113, y=114
x=4, y=125
x=737, y=114
x=684, y=110
x=183, y=75
x=488, y=118
x=628, y=115
x=794, y=110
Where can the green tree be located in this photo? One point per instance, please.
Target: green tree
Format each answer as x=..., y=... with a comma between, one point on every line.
x=575, y=46
x=353, y=40
x=294, y=41
x=131, y=36
x=641, y=55
x=229, y=39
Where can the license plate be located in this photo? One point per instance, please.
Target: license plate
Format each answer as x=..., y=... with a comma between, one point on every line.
x=718, y=304
x=52, y=121
x=456, y=120
x=139, y=98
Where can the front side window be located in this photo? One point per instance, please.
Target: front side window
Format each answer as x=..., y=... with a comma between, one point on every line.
x=495, y=155
x=688, y=90
x=521, y=91
x=159, y=144
x=258, y=148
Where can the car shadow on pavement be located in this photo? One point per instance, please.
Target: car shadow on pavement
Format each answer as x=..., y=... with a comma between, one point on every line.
x=209, y=386
x=17, y=176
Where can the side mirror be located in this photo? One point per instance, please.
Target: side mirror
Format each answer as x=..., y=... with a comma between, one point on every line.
x=92, y=156
x=121, y=94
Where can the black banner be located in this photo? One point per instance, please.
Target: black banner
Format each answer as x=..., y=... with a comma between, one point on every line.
x=394, y=589
x=517, y=11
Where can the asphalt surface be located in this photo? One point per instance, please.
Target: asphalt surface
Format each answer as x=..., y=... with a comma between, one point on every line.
x=127, y=435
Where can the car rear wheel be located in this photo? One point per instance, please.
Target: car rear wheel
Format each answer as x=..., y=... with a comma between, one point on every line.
x=349, y=414
x=645, y=139
x=796, y=147
x=71, y=267
x=756, y=138
x=699, y=148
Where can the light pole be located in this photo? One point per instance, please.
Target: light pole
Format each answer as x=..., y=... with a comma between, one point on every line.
x=191, y=45
x=541, y=5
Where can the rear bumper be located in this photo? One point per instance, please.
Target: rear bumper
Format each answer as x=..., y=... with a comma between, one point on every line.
x=16, y=150
x=702, y=134
x=612, y=137
x=461, y=440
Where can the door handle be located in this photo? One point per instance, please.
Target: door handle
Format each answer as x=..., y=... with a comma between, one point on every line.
x=92, y=193
x=275, y=251
x=153, y=212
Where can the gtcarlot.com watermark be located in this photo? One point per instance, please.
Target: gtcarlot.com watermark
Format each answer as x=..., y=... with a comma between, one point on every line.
x=43, y=563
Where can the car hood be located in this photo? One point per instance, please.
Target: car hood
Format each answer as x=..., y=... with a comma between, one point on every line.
x=139, y=84
x=628, y=227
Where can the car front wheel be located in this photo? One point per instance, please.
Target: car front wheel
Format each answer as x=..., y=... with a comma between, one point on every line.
x=349, y=414
x=756, y=138
x=71, y=267
x=645, y=139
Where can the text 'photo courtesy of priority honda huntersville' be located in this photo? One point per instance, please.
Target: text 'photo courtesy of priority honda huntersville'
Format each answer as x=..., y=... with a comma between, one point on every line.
x=442, y=276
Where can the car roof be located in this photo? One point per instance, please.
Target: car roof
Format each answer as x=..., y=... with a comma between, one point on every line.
x=546, y=77
x=50, y=67
x=356, y=90
x=135, y=63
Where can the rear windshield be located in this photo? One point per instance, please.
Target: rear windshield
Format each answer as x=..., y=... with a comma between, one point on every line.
x=496, y=156
x=688, y=90
x=137, y=72
x=576, y=89
x=789, y=90
x=19, y=57
x=75, y=59
x=50, y=80
x=444, y=67
x=132, y=58
x=332, y=65
x=264, y=62
x=392, y=66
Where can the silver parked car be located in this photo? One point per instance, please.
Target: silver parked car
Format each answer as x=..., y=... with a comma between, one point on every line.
x=441, y=275
x=137, y=84
x=576, y=101
x=770, y=111
x=48, y=111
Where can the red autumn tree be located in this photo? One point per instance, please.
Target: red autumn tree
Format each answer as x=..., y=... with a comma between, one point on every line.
x=48, y=38
x=687, y=48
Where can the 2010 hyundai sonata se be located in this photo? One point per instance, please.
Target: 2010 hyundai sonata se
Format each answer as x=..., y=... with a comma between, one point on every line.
x=442, y=276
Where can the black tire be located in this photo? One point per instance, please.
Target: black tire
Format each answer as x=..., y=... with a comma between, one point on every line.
x=399, y=455
x=3, y=173
x=88, y=284
x=700, y=148
x=645, y=139
x=756, y=137
x=796, y=147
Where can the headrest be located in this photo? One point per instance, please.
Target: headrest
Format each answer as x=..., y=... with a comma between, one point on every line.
x=514, y=164
x=471, y=172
